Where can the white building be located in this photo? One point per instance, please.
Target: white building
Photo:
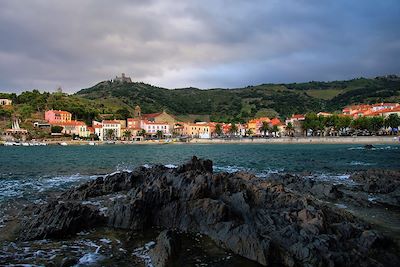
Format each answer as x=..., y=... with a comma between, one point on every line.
x=152, y=128
x=108, y=126
x=5, y=102
x=107, y=129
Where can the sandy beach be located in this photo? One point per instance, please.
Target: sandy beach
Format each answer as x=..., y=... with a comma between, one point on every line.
x=374, y=140
x=307, y=140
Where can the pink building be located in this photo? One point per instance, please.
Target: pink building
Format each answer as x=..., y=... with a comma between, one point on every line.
x=57, y=116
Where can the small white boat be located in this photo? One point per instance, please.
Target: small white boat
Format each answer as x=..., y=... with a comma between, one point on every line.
x=92, y=143
x=63, y=144
x=9, y=143
x=25, y=144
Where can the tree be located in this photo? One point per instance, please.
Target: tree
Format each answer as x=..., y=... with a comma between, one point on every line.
x=123, y=114
x=127, y=134
x=343, y=123
x=142, y=132
x=375, y=124
x=392, y=121
x=25, y=111
x=289, y=129
x=218, y=129
x=264, y=128
x=275, y=129
x=56, y=129
x=248, y=132
x=159, y=134
x=312, y=122
x=233, y=130
x=110, y=134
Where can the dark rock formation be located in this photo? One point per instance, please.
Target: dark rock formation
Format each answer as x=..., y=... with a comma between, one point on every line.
x=58, y=220
x=166, y=249
x=277, y=221
x=384, y=185
x=369, y=146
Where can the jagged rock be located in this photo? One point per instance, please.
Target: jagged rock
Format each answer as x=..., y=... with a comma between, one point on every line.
x=378, y=181
x=59, y=220
x=166, y=249
x=383, y=184
x=271, y=221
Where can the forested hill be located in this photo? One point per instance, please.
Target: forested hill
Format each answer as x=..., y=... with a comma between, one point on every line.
x=240, y=104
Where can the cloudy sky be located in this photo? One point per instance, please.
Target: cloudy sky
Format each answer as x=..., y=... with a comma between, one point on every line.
x=206, y=43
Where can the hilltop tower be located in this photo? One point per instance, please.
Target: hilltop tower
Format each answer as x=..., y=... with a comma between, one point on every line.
x=138, y=112
x=123, y=79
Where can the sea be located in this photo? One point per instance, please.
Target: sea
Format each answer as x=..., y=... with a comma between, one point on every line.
x=31, y=174
x=28, y=173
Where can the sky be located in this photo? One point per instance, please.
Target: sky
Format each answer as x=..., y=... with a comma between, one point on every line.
x=74, y=44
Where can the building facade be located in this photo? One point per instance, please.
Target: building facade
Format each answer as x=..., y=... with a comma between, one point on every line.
x=77, y=128
x=57, y=116
x=5, y=102
x=111, y=130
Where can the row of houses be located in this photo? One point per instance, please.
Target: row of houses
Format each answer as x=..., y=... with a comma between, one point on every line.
x=380, y=109
x=167, y=125
x=151, y=125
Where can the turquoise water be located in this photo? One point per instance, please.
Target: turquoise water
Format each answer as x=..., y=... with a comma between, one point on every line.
x=27, y=172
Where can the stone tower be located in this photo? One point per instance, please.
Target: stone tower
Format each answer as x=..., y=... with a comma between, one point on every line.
x=138, y=112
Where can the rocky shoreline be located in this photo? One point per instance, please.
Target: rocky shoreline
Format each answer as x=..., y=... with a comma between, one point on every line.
x=285, y=220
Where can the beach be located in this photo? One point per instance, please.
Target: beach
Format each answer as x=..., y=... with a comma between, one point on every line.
x=362, y=140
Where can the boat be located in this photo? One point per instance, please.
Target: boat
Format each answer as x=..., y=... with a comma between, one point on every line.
x=9, y=143
x=92, y=143
x=63, y=144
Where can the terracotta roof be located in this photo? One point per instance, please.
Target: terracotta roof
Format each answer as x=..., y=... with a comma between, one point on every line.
x=97, y=126
x=70, y=123
x=276, y=121
x=110, y=122
x=60, y=112
x=298, y=116
x=155, y=123
x=386, y=110
x=151, y=115
x=385, y=104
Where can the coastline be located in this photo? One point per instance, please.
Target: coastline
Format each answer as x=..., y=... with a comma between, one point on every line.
x=362, y=140
x=374, y=140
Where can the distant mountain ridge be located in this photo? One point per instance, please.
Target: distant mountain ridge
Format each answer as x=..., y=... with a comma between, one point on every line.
x=239, y=104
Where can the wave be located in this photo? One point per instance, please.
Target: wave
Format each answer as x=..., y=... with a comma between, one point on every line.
x=31, y=187
x=360, y=163
x=374, y=148
x=259, y=173
x=333, y=178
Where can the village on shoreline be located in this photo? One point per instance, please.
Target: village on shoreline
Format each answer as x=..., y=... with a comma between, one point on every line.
x=364, y=124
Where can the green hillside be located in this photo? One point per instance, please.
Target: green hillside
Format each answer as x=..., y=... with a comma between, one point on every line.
x=239, y=104
x=188, y=104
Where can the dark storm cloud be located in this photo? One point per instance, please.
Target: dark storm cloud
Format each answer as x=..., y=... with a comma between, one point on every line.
x=176, y=43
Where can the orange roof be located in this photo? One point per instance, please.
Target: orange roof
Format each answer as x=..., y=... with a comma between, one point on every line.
x=386, y=110
x=70, y=123
x=110, y=122
x=97, y=126
x=155, y=123
x=276, y=121
x=385, y=104
x=298, y=116
x=60, y=112
x=151, y=115
x=258, y=120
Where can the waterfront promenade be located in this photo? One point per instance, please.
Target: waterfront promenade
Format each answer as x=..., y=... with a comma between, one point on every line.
x=307, y=140
x=362, y=140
